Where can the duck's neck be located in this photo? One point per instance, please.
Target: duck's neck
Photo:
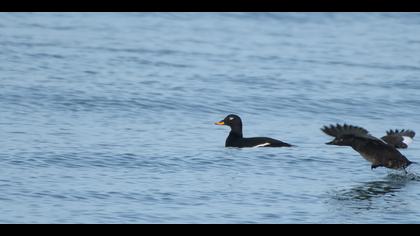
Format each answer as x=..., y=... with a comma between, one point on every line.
x=236, y=131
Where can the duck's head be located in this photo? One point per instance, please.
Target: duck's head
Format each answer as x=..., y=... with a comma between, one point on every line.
x=345, y=140
x=231, y=120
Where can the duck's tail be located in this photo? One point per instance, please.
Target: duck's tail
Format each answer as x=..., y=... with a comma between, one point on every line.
x=411, y=162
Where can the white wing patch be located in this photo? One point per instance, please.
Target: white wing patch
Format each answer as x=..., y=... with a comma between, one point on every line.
x=231, y=118
x=262, y=145
x=407, y=140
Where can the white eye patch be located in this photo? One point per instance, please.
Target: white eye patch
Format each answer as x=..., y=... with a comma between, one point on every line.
x=231, y=118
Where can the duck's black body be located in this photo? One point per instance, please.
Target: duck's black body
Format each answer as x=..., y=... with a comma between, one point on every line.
x=378, y=152
x=236, y=139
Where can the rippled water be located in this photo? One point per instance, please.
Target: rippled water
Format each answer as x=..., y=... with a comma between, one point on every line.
x=108, y=118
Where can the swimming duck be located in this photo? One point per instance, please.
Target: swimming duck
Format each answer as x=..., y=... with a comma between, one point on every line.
x=236, y=139
x=380, y=152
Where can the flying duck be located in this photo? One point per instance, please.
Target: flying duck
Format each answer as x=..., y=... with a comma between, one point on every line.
x=379, y=152
x=236, y=139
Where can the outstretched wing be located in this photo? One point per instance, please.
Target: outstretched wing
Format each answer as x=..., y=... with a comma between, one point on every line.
x=399, y=138
x=340, y=130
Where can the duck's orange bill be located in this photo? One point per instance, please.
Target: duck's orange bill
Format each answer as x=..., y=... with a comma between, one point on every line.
x=219, y=123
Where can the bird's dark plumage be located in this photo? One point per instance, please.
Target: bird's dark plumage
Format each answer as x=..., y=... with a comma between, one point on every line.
x=399, y=138
x=341, y=130
x=380, y=152
x=236, y=139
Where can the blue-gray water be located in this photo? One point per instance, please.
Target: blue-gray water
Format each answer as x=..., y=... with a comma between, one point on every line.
x=109, y=118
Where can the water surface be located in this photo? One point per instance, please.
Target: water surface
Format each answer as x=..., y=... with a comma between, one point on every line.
x=108, y=117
